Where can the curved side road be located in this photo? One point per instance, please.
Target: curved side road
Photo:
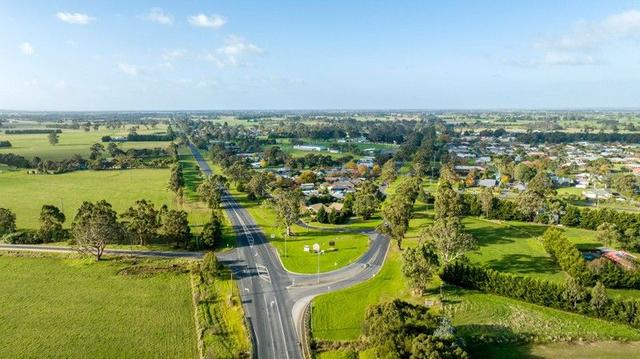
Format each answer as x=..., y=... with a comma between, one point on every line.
x=118, y=252
x=274, y=298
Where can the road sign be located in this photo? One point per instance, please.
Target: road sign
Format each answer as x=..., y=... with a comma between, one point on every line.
x=316, y=247
x=306, y=248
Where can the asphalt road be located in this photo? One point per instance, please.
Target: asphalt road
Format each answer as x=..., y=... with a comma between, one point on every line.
x=274, y=299
x=119, y=252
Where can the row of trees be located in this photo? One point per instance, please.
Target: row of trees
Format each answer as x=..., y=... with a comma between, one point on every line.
x=442, y=243
x=97, y=224
x=586, y=273
x=570, y=296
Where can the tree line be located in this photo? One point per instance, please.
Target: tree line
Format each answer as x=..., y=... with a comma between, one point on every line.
x=569, y=296
x=96, y=225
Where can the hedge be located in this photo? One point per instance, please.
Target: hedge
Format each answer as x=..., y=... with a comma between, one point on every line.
x=540, y=292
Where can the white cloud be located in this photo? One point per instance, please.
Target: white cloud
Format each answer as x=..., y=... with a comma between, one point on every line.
x=175, y=54
x=74, y=18
x=583, y=44
x=31, y=83
x=135, y=70
x=213, y=21
x=234, y=49
x=158, y=15
x=27, y=48
x=567, y=59
x=128, y=69
x=61, y=84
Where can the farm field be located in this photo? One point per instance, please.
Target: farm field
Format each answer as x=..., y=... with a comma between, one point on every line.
x=71, y=142
x=79, y=308
x=25, y=194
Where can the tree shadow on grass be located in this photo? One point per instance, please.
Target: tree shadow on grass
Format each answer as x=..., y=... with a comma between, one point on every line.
x=523, y=264
x=486, y=236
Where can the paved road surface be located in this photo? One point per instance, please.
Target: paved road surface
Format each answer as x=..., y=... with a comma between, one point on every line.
x=120, y=252
x=274, y=299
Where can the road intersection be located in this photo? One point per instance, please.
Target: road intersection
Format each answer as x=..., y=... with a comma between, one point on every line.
x=274, y=298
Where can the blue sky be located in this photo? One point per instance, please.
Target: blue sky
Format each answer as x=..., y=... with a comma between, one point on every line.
x=325, y=54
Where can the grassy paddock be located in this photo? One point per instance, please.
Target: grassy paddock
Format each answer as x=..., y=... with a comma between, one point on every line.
x=76, y=308
x=71, y=142
x=25, y=194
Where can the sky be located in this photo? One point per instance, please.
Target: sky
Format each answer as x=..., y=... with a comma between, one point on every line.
x=324, y=54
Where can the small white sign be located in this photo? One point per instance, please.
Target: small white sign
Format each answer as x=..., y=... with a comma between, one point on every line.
x=306, y=248
x=316, y=247
x=273, y=236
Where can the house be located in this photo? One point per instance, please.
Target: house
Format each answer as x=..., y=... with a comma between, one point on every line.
x=597, y=194
x=309, y=148
x=307, y=186
x=489, y=183
x=367, y=161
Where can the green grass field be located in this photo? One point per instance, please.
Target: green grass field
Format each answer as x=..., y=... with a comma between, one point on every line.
x=514, y=247
x=75, y=308
x=505, y=246
x=349, y=246
x=25, y=194
x=71, y=142
x=327, y=322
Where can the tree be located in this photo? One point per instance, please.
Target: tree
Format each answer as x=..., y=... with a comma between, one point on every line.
x=7, y=221
x=532, y=201
x=209, y=266
x=53, y=138
x=391, y=325
x=322, y=216
x=396, y=210
x=434, y=347
x=176, y=180
x=486, y=201
x=389, y=172
x=395, y=215
x=175, y=226
x=96, y=151
x=238, y=172
x=94, y=226
x=449, y=239
x=608, y=234
x=599, y=298
x=258, y=185
x=624, y=183
x=366, y=201
x=212, y=230
x=287, y=207
x=307, y=177
x=574, y=292
x=523, y=173
x=448, y=202
x=211, y=190
x=419, y=265
x=51, y=220
x=143, y=221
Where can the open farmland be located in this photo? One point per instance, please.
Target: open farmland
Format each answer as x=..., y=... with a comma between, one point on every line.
x=79, y=308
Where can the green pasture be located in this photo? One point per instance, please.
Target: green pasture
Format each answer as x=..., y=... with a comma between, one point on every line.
x=79, y=308
x=71, y=142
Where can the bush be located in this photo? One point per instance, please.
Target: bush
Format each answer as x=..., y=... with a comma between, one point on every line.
x=21, y=237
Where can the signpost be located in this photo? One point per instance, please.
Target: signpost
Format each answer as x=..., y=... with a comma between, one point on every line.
x=316, y=247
